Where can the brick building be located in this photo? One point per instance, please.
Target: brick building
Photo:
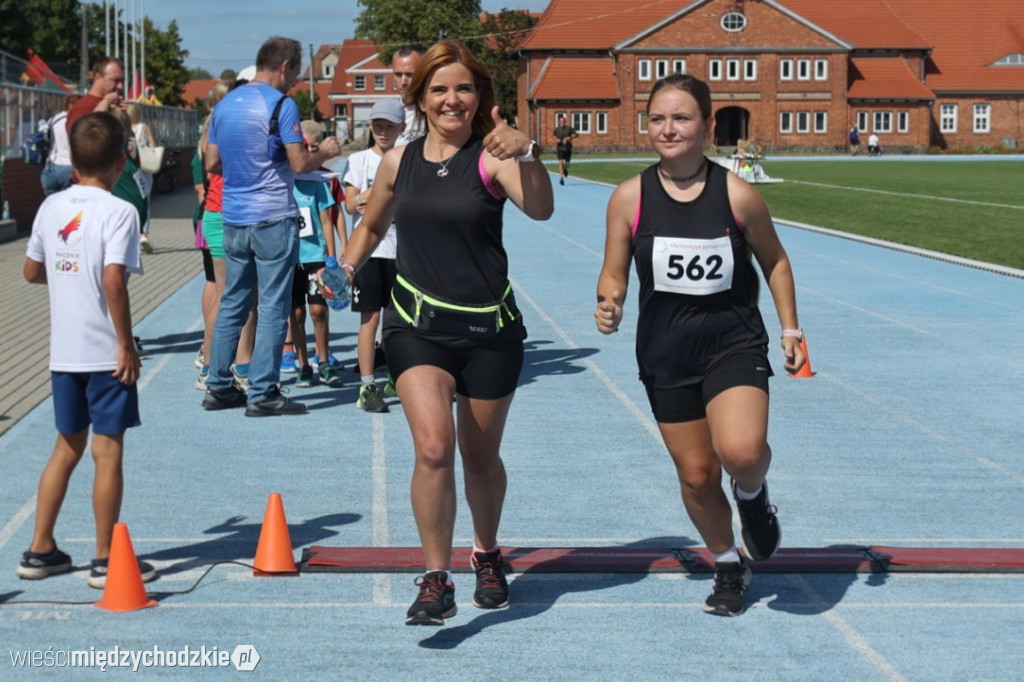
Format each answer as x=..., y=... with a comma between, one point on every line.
x=792, y=74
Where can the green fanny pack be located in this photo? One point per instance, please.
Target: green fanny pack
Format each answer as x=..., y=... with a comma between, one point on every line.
x=429, y=313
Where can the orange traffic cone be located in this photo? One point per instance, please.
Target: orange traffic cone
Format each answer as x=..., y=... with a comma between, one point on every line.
x=804, y=371
x=274, y=551
x=124, y=590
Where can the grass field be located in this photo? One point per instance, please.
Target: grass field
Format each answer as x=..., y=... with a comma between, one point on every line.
x=972, y=209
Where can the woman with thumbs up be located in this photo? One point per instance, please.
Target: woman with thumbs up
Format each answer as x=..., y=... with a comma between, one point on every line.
x=453, y=329
x=691, y=226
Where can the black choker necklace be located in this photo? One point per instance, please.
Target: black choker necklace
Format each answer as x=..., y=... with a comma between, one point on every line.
x=685, y=178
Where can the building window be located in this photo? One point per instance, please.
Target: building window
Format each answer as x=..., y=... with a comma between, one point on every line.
x=678, y=66
x=947, y=118
x=820, y=69
x=641, y=122
x=715, y=69
x=750, y=69
x=785, y=121
x=602, y=122
x=820, y=122
x=360, y=83
x=734, y=21
x=883, y=122
x=903, y=122
x=786, y=69
x=328, y=70
x=557, y=114
x=732, y=69
x=1012, y=59
x=803, y=69
x=378, y=82
x=643, y=69
x=581, y=122
x=982, y=118
x=803, y=122
x=862, y=121
x=660, y=68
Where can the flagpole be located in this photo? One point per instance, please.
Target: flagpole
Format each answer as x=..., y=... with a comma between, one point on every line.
x=106, y=31
x=142, y=30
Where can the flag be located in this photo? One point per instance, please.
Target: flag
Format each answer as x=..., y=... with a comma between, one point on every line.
x=39, y=72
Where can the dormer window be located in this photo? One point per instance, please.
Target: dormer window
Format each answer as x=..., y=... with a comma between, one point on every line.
x=734, y=22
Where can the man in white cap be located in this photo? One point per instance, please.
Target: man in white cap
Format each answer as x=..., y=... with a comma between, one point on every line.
x=403, y=65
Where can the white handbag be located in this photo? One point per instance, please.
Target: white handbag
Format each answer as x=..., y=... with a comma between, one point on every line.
x=151, y=159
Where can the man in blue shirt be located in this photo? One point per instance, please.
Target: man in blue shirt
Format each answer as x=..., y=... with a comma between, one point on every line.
x=256, y=143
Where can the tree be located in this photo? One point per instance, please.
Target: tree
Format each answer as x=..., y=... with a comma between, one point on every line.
x=165, y=63
x=307, y=106
x=199, y=74
x=392, y=23
x=51, y=28
x=227, y=74
x=506, y=31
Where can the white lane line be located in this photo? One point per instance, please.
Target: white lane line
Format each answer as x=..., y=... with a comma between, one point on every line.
x=926, y=197
x=16, y=522
x=381, y=527
x=853, y=638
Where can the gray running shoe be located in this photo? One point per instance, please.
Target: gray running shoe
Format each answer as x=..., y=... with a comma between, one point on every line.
x=370, y=399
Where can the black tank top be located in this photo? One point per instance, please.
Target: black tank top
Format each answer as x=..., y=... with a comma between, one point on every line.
x=692, y=312
x=449, y=228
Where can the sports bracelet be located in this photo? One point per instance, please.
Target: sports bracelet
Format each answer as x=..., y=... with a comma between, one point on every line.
x=348, y=266
x=798, y=333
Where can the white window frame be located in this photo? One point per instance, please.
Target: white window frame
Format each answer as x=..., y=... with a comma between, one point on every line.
x=379, y=82
x=601, y=122
x=732, y=69
x=678, y=66
x=903, y=121
x=785, y=121
x=660, y=68
x=581, y=122
x=557, y=114
x=948, y=114
x=329, y=70
x=803, y=69
x=359, y=83
x=820, y=121
x=982, y=118
x=821, y=69
x=733, y=22
x=641, y=122
x=882, y=122
x=862, y=121
x=714, y=69
x=643, y=69
x=803, y=122
x=785, y=69
x=750, y=69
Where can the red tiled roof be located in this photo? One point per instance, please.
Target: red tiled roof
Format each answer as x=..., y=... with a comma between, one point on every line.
x=567, y=78
x=354, y=52
x=885, y=78
x=197, y=89
x=865, y=24
x=596, y=24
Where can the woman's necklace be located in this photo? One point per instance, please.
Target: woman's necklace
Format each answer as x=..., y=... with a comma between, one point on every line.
x=685, y=178
x=443, y=171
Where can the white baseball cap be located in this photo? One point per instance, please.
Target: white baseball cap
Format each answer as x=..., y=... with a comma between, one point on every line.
x=246, y=74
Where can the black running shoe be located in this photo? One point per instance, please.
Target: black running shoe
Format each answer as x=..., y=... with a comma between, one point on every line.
x=226, y=399
x=761, y=532
x=98, y=572
x=273, y=405
x=491, y=585
x=732, y=578
x=435, y=603
x=36, y=566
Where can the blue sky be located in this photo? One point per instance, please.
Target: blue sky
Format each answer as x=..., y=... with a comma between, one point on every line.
x=225, y=34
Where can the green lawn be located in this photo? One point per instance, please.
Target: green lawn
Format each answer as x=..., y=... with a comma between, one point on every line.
x=911, y=204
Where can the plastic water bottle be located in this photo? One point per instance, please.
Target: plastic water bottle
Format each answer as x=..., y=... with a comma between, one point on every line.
x=7, y=210
x=336, y=288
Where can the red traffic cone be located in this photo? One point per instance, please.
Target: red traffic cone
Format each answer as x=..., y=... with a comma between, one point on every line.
x=124, y=590
x=274, y=551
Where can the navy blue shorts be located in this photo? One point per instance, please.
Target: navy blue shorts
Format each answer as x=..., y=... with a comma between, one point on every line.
x=689, y=403
x=97, y=398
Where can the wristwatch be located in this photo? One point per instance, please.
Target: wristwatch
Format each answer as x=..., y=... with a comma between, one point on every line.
x=532, y=154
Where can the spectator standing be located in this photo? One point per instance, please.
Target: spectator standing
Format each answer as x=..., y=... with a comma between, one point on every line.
x=256, y=143
x=371, y=288
x=57, y=172
x=854, y=141
x=873, y=148
x=106, y=89
x=143, y=135
x=403, y=65
x=94, y=363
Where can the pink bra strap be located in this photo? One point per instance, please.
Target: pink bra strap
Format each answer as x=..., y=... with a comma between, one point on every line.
x=486, y=178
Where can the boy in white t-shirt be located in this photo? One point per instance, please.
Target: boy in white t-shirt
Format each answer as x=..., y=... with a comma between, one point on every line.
x=84, y=243
x=371, y=288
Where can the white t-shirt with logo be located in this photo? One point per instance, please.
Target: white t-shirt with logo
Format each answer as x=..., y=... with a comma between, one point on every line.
x=76, y=234
x=359, y=172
